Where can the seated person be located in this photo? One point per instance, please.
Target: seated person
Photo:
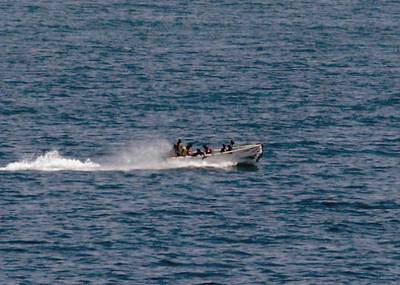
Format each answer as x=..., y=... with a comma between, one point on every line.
x=183, y=151
x=198, y=152
x=229, y=147
x=223, y=149
x=188, y=149
x=207, y=150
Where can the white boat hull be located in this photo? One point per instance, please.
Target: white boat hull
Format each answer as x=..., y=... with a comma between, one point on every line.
x=245, y=154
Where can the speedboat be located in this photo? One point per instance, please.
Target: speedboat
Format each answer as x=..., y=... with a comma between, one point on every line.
x=243, y=154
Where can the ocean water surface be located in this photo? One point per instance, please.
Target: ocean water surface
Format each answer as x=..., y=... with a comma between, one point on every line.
x=93, y=93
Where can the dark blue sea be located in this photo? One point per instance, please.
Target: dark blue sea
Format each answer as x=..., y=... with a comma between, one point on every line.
x=93, y=93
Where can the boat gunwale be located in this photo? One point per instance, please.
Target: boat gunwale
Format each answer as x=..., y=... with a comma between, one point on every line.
x=216, y=152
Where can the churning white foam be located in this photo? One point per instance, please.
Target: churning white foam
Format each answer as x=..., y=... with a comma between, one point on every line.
x=138, y=156
x=52, y=161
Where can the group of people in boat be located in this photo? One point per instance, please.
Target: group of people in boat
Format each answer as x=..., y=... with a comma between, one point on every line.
x=181, y=150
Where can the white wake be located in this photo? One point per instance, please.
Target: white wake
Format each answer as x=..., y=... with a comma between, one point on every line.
x=138, y=156
x=52, y=161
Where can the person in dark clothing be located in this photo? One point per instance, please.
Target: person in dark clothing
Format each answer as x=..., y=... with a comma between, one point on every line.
x=228, y=147
x=178, y=147
x=198, y=152
x=232, y=143
x=207, y=150
x=223, y=149
x=188, y=149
